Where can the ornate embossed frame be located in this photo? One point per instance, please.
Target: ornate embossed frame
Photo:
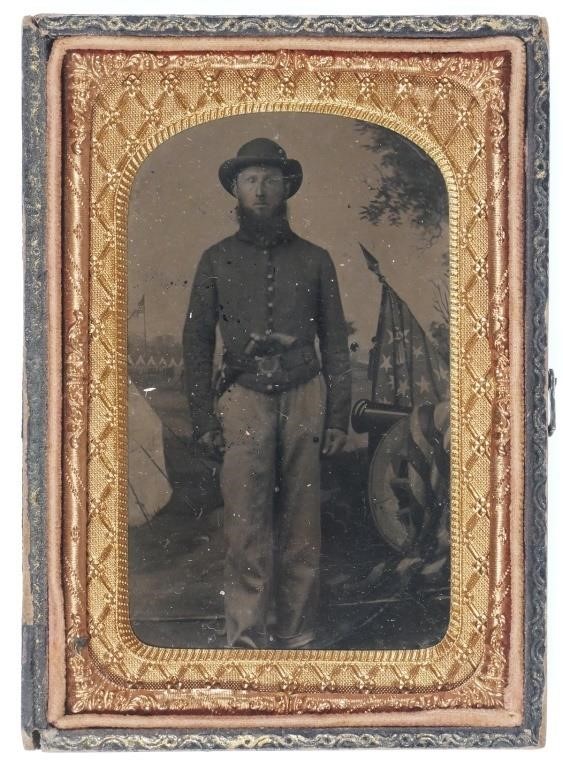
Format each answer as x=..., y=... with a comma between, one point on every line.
x=101, y=93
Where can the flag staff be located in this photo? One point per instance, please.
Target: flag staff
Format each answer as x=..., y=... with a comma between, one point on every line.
x=145, y=321
x=141, y=307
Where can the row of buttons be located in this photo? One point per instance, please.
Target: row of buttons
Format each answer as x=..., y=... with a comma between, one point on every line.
x=270, y=305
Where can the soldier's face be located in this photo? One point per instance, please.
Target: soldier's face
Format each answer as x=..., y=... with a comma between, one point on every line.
x=261, y=189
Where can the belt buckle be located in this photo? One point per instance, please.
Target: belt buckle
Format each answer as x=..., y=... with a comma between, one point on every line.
x=268, y=365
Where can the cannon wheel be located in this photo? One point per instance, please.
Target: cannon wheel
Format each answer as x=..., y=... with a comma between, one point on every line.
x=389, y=489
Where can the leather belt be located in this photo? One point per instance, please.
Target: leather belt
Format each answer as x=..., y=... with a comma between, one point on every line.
x=270, y=364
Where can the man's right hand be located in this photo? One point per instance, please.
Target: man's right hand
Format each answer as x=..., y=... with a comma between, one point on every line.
x=214, y=441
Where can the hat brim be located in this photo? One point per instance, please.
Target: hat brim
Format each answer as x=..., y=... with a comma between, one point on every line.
x=291, y=169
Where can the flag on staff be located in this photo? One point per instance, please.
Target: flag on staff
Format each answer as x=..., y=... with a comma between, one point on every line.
x=139, y=309
x=405, y=367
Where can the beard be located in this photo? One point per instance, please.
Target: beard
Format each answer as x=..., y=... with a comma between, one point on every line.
x=264, y=230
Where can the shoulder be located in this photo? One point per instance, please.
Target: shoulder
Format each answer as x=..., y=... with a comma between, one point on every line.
x=213, y=255
x=312, y=250
x=220, y=248
x=319, y=257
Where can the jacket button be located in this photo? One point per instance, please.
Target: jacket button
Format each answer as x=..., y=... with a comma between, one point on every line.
x=270, y=387
x=270, y=288
x=270, y=304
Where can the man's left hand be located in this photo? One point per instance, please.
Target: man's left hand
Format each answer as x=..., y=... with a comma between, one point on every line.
x=334, y=441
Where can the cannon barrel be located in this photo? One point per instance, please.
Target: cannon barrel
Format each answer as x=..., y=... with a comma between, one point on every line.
x=368, y=416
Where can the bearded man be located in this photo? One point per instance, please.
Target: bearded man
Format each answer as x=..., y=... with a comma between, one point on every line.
x=274, y=297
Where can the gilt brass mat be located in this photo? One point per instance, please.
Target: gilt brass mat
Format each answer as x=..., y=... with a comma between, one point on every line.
x=119, y=106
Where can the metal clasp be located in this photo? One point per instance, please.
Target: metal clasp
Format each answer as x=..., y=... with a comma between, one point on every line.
x=268, y=365
x=551, y=382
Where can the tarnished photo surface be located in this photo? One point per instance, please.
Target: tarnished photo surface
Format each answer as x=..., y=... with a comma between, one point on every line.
x=288, y=356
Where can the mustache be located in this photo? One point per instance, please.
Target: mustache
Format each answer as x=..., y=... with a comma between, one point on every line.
x=245, y=214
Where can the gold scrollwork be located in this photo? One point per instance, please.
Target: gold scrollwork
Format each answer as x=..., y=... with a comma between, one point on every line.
x=110, y=670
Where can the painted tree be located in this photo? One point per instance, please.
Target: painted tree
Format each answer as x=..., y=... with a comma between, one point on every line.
x=410, y=184
x=410, y=188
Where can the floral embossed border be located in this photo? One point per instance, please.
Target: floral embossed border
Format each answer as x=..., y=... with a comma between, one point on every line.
x=486, y=688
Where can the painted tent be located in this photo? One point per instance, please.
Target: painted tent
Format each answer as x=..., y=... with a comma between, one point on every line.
x=149, y=489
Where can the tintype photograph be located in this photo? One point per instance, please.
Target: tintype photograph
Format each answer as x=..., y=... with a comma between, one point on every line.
x=286, y=382
x=288, y=388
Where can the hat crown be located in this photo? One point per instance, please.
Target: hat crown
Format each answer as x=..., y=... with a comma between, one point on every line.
x=261, y=152
x=262, y=149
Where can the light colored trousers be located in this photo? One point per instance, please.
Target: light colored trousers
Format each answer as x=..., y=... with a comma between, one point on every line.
x=271, y=489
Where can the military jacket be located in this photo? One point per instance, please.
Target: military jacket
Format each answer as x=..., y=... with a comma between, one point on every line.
x=287, y=288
